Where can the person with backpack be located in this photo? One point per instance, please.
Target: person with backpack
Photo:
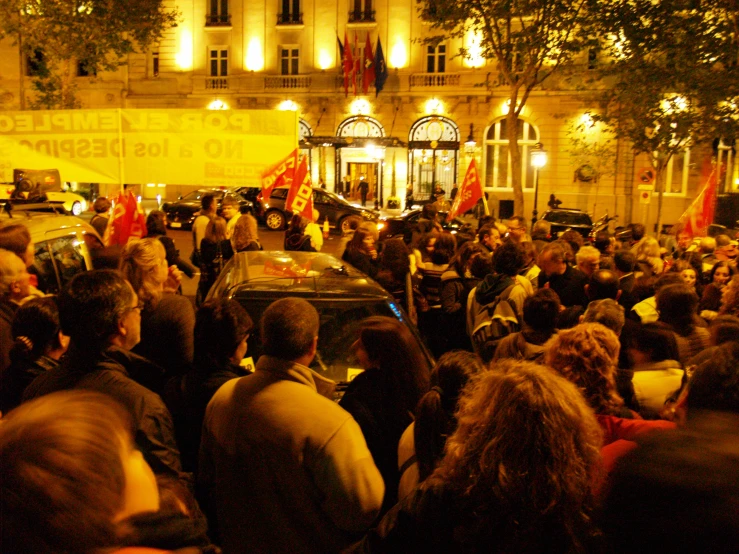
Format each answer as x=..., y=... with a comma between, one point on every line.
x=495, y=306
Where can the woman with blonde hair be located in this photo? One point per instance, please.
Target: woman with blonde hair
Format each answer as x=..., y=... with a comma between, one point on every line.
x=648, y=257
x=518, y=475
x=245, y=237
x=167, y=319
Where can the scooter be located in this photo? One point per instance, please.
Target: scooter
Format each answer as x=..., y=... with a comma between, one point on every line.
x=601, y=225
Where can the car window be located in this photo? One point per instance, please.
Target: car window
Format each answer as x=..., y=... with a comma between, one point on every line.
x=279, y=193
x=68, y=257
x=568, y=218
x=43, y=269
x=339, y=329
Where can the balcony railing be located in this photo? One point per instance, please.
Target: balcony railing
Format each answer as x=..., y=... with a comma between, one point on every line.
x=290, y=18
x=362, y=16
x=216, y=83
x=218, y=20
x=436, y=80
x=287, y=82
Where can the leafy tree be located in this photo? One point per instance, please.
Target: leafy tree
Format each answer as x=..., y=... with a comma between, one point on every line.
x=674, y=75
x=530, y=40
x=95, y=35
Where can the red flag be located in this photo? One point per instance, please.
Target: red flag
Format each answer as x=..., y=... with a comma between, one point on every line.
x=368, y=75
x=699, y=214
x=469, y=193
x=348, y=63
x=357, y=63
x=127, y=222
x=279, y=174
x=300, y=195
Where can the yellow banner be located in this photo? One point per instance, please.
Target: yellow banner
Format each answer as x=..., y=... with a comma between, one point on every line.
x=194, y=147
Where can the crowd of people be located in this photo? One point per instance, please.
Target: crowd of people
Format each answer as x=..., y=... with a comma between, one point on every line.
x=584, y=398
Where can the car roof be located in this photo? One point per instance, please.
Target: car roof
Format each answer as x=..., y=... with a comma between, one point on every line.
x=41, y=223
x=274, y=273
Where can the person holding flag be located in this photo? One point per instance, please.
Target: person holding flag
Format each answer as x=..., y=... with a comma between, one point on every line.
x=469, y=193
x=127, y=222
x=280, y=174
x=300, y=201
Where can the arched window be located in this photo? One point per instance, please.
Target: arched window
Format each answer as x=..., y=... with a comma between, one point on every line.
x=360, y=126
x=433, y=155
x=498, y=158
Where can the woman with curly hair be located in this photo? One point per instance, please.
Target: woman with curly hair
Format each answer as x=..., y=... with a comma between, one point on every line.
x=165, y=314
x=712, y=294
x=383, y=398
x=648, y=257
x=518, y=474
x=587, y=355
x=730, y=298
x=245, y=237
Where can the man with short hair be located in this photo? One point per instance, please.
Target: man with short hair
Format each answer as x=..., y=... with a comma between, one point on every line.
x=15, y=285
x=488, y=238
x=684, y=244
x=603, y=284
x=517, y=228
x=568, y=283
x=208, y=207
x=230, y=212
x=285, y=467
x=101, y=314
x=588, y=260
x=637, y=234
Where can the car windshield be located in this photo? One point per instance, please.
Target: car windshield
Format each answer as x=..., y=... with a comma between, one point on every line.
x=196, y=195
x=568, y=218
x=340, y=320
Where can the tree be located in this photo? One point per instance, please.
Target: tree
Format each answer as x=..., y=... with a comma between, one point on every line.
x=530, y=40
x=673, y=73
x=95, y=35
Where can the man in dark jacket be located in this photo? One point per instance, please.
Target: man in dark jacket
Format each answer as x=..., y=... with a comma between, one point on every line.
x=102, y=316
x=568, y=283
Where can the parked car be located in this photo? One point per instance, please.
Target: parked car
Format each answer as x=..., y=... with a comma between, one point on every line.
x=401, y=226
x=329, y=205
x=342, y=295
x=64, y=244
x=73, y=203
x=564, y=219
x=182, y=213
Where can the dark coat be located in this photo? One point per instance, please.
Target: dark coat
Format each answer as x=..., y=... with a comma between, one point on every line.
x=7, y=313
x=18, y=376
x=570, y=286
x=113, y=372
x=363, y=262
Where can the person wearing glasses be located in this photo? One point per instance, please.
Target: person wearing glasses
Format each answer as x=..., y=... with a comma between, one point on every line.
x=516, y=229
x=101, y=314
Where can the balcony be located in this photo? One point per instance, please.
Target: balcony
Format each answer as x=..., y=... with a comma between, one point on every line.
x=362, y=16
x=218, y=20
x=434, y=80
x=290, y=18
x=287, y=82
x=216, y=83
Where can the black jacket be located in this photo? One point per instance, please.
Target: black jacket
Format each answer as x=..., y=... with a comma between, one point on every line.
x=570, y=286
x=112, y=372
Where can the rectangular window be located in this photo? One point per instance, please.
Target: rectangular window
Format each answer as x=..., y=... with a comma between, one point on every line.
x=361, y=11
x=218, y=62
x=155, y=63
x=436, y=59
x=35, y=64
x=289, y=60
x=289, y=13
x=678, y=171
x=218, y=13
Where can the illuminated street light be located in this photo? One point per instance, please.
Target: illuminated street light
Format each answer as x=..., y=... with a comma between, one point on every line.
x=538, y=161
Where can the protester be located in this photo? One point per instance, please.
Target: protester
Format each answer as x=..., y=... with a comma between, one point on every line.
x=718, y=279
x=315, y=232
x=678, y=307
x=607, y=312
x=361, y=252
x=101, y=314
x=648, y=258
x=456, y=284
x=285, y=467
x=295, y=237
x=488, y=237
x=164, y=314
x=156, y=227
x=730, y=298
x=102, y=215
x=222, y=328
x=530, y=270
x=230, y=212
x=245, y=237
x=38, y=345
x=689, y=276
x=14, y=288
x=383, y=398
x=518, y=473
x=75, y=481
x=215, y=251
x=568, y=283
x=208, y=207
x=726, y=250
x=540, y=313
x=588, y=260
x=394, y=275
x=623, y=264
x=425, y=248
x=421, y=446
x=646, y=310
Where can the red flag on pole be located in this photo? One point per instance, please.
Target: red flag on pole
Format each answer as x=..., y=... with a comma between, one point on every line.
x=279, y=174
x=127, y=222
x=368, y=75
x=699, y=214
x=357, y=63
x=300, y=195
x=469, y=193
x=348, y=63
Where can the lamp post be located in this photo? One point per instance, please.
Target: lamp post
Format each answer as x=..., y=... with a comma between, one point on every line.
x=538, y=160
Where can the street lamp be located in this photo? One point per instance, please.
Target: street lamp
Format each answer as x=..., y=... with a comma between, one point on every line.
x=538, y=160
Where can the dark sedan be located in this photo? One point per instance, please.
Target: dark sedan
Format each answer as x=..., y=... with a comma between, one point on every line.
x=565, y=219
x=182, y=213
x=342, y=295
x=402, y=226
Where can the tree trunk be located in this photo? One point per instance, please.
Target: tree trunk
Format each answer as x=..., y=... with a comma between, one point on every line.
x=515, y=153
x=659, y=176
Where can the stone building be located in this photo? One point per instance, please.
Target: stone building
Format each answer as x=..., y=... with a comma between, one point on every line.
x=435, y=114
